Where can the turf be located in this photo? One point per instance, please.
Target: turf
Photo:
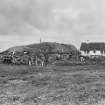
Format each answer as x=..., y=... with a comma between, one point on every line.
x=52, y=85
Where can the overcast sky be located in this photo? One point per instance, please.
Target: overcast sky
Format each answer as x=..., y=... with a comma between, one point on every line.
x=67, y=21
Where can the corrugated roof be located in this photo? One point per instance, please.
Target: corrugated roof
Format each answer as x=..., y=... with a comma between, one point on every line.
x=92, y=46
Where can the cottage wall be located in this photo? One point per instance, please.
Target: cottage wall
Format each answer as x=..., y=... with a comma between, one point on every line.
x=93, y=48
x=92, y=53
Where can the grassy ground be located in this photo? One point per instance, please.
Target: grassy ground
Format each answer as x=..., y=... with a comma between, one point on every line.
x=53, y=85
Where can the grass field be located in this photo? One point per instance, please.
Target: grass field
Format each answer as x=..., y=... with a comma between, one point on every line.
x=52, y=85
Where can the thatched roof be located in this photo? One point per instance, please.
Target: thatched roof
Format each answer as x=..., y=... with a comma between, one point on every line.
x=53, y=47
x=46, y=47
x=92, y=46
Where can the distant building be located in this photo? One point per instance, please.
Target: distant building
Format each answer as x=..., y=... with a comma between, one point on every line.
x=93, y=49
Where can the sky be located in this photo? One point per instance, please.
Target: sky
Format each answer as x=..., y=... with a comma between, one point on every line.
x=24, y=22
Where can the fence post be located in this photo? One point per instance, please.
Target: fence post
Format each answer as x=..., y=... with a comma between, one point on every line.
x=36, y=61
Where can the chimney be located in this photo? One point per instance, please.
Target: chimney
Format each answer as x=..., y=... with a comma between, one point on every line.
x=40, y=40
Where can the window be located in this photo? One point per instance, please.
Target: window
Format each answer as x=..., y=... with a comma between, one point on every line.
x=84, y=52
x=102, y=52
x=94, y=51
x=88, y=52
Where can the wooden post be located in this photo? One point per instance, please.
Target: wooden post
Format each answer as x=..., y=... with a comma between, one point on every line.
x=42, y=63
x=36, y=61
x=77, y=56
x=29, y=63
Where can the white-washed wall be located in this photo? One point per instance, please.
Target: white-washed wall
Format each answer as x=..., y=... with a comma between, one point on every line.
x=92, y=53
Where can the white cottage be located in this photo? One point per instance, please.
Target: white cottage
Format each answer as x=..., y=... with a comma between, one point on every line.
x=92, y=49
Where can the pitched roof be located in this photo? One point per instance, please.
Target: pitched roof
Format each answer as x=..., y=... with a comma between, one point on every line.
x=92, y=46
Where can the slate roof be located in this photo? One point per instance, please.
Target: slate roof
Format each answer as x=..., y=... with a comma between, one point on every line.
x=92, y=46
